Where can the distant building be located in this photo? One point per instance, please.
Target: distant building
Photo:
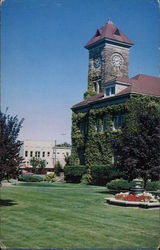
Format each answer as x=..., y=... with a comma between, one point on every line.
x=44, y=150
x=59, y=154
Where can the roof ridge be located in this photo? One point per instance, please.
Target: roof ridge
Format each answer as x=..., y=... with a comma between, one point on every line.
x=138, y=75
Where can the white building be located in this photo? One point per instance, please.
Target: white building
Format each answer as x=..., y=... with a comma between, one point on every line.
x=59, y=154
x=44, y=150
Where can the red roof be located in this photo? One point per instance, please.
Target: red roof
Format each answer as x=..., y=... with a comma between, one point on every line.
x=90, y=100
x=143, y=84
x=139, y=84
x=109, y=32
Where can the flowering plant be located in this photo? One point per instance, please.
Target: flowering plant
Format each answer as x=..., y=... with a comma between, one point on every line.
x=144, y=197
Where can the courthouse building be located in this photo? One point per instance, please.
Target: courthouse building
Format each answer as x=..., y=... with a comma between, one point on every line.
x=109, y=87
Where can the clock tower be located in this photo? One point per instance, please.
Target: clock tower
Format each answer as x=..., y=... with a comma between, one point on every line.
x=108, y=56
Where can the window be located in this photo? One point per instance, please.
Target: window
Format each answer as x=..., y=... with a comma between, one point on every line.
x=43, y=154
x=117, y=32
x=98, y=33
x=98, y=124
x=113, y=90
x=37, y=154
x=26, y=153
x=110, y=91
x=114, y=159
x=118, y=121
x=31, y=153
x=48, y=154
x=83, y=127
x=104, y=123
x=96, y=87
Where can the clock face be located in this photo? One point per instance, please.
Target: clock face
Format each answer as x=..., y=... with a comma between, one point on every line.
x=97, y=62
x=117, y=60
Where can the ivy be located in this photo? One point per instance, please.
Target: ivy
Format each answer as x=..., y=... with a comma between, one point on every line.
x=90, y=92
x=96, y=146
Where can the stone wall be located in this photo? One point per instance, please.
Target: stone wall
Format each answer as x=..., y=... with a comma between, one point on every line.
x=107, y=70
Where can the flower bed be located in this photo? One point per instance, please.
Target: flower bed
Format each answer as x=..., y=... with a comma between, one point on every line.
x=144, y=197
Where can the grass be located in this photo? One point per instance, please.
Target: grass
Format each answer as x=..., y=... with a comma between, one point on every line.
x=72, y=216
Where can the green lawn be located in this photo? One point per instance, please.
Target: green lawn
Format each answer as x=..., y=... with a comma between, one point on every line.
x=72, y=216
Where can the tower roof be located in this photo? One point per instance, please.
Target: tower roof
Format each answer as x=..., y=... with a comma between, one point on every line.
x=111, y=33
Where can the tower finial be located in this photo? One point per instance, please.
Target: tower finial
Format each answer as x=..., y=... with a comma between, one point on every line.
x=109, y=20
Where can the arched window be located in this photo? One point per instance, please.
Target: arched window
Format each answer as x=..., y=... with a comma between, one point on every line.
x=96, y=87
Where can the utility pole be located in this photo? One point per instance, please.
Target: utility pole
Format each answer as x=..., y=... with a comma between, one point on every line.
x=55, y=153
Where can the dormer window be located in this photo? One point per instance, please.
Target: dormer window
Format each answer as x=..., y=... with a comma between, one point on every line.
x=113, y=90
x=98, y=33
x=107, y=91
x=110, y=91
x=117, y=32
x=115, y=87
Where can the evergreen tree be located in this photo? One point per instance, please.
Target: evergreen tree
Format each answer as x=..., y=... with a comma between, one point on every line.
x=10, y=159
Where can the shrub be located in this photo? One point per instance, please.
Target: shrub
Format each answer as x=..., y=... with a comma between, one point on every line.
x=119, y=184
x=74, y=174
x=30, y=178
x=50, y=177
x=58, y=168
x=153, y=185
x=84, y=179
x=101, y=174
x=87, y=178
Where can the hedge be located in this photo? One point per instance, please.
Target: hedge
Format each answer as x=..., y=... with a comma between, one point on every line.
x=30, y=178
x=153, y=185
x=121, y=184
x=73, y=174
x=101, y=174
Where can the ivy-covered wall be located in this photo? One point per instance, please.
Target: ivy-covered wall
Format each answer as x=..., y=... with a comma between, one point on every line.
x=92, y=134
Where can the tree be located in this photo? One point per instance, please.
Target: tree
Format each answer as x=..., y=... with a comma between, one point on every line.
x=67, y=159
x=58, y=168
x=34, y=162
x=10, y=159
x=37, y=164
x=42, y=164
x=138, y=147
x=65, y=144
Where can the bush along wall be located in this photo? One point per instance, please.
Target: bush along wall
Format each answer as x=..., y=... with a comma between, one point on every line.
x=102, y=174
x=121, y=184
x=30, y=178
x=73, y=174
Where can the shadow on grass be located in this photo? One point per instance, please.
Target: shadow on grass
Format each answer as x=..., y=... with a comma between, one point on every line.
x=108, y=192
x=7, y=203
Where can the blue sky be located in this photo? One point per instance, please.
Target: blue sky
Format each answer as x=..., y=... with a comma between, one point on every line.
x=44, y=63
